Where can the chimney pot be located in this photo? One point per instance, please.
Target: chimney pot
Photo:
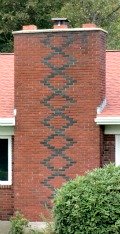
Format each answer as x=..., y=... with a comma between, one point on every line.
x=29, y=27
x=60, y=23
x=89, y=25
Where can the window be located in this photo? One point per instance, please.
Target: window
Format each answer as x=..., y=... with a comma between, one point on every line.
x=5, y=160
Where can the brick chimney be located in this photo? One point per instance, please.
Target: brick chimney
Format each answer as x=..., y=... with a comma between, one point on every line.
x=59, y=83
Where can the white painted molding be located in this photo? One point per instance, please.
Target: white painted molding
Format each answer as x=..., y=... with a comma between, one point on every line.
x=101, y=107
x=107, y=120
x=7, y=121
x=15, y=112
x=117, y=150
x=58, y=30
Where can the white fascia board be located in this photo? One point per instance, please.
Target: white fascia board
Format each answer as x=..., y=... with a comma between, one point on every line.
x=107, y=120
x=7, y=121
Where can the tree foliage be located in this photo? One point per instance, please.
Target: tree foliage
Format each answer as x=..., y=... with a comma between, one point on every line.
x=104, y=13
x=14, y=14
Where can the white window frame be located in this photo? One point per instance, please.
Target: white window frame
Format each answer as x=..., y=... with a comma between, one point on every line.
x=9, y=182
x=117, y=150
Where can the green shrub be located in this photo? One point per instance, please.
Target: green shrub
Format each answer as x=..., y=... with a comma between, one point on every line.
x=18, y=224
x=89, y=204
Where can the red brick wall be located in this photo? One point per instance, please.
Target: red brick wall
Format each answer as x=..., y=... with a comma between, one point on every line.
x=6, y=202
x=109, y=149
x=59, y=82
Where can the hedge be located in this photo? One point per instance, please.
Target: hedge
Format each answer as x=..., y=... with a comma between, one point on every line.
x=89, y=204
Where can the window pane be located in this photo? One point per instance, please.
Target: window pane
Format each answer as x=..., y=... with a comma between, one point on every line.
x=3, y=159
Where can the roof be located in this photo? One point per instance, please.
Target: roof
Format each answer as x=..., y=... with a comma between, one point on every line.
x=6, y=85
x=112, y=108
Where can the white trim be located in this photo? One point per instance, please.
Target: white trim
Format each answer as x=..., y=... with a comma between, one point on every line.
x=101, y=107
x=107, y=120
x=117, y=150
x=9, y=182
x=58, y=30
x=15, y=112
x=7, y=121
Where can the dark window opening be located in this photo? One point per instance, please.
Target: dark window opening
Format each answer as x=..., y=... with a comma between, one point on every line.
x=4, y=159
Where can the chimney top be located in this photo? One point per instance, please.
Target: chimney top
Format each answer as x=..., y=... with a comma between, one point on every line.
x=29, y=27
x=60, y=23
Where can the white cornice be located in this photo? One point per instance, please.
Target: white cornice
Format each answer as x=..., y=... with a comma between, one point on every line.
x=7, y=121
x=58, y=30
x=107, y=120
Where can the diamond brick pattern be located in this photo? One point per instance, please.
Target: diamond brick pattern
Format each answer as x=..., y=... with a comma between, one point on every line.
x=57, y=122
x=57, y=163
x=58, y=101
x=60, y=82
x=57, y=181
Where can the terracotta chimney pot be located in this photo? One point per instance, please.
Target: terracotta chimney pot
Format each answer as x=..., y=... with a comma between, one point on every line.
x=89, y=25
x=29, y=27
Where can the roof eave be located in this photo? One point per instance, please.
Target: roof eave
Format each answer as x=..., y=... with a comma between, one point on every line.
x=7, y=121
x=105, y=120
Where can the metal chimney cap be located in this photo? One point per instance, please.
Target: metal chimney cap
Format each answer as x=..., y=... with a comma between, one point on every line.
x=60, y=19
x=60, y=23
